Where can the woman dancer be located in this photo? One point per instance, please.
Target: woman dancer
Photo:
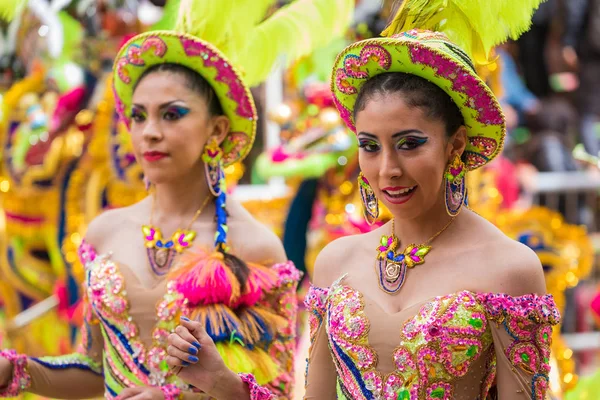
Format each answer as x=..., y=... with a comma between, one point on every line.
x=184, y=252
x=462, y=313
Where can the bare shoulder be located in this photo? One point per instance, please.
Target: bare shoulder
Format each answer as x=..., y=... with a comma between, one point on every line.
x=102, y=226
x=106, y=224
x=513, y=268
x=258, y=244
x=330, y=261
x=251, y=240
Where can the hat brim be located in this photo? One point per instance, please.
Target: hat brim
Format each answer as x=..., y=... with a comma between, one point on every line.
x=431, y=56
x=161, y=47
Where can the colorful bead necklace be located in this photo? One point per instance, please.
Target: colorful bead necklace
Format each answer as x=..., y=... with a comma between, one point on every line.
x=160, y=253
x=392, y=265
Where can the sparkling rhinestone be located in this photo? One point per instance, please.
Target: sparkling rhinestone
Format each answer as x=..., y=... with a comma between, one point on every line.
x=434, y=330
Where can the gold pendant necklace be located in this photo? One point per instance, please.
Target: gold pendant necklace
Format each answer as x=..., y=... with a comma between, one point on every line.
x=391, y=265
x=161, y=253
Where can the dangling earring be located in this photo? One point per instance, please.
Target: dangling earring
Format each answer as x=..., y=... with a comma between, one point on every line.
x=456, y=188
x=213, y=167
x=147, y=184
x=370, y=203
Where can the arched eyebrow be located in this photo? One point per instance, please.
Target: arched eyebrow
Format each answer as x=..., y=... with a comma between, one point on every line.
x=394, y=136
x=160, y=107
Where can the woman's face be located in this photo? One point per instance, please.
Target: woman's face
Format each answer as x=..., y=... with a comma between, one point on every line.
x=403, y=154
x=170, y=125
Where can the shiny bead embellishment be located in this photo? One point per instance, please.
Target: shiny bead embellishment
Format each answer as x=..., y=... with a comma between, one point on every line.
x=392, y=263
x=257, y=392
x=438, y=346
x=21, y=380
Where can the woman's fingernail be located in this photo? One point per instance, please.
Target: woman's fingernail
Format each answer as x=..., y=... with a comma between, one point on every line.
x=185, y=318
x=193, y=350
x=185, y=363
x=197, y=345
x=193, y=359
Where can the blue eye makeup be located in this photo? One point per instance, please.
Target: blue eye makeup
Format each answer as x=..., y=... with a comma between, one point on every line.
x=175, y=112
x=368, y=145
x=137, y=115
x=411, y=142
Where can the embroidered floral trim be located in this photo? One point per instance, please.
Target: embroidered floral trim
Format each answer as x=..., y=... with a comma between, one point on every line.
x=86, y=253
x=225, y=74
x=500, y=306
x=287, y=273
x=356, y=67
x=528, y=320
x=257, y=392
x=438, y=345
x=539, y=386
x=21, y=380
x=287, y=307
x=487, y=146
x=107, y=295
x=315, y=303
x=479, y=98
x=348, y=330
x=171, y=392
x=168, y=311
x=284, y=347
x=316, y=299
x=490, y=375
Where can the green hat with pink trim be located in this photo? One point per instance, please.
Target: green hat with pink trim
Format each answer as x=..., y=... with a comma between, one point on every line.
x=432, y=56
x=159, y=47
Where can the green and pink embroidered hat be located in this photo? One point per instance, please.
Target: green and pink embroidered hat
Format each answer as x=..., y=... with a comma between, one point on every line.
x=432, y=56
x=158, y=47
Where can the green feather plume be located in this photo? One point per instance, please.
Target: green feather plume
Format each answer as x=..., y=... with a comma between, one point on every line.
x=294, y=31
x=254, y=39
x=10, y=8
x=475, y=25
x=169, y=16
x=221, y=22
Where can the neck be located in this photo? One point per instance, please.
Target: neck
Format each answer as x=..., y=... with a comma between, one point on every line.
x=180, y=199
x=420, y=229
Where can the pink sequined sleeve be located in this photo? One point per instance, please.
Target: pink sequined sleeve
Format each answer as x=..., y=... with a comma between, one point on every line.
x=320, y=370
x=522, y=332
x=78, y=375
x=282, y=350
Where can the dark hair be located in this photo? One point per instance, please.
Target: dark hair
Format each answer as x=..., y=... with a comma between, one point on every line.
x=416, y=92
x=194, y=80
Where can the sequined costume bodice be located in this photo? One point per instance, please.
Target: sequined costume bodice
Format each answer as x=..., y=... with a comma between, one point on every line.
x=449, y=347
x=126, y=325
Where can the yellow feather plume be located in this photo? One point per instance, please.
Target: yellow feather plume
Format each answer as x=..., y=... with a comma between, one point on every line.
x=242, y=360
x=474, y=25
x=10, y=8
x=220, y=21
x=254, y=40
